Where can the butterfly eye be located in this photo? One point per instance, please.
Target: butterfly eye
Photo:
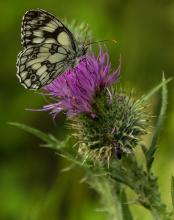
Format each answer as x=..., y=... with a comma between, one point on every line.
x=84, y=50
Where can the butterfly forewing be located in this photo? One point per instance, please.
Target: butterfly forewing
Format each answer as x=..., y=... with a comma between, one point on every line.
x=39, y=26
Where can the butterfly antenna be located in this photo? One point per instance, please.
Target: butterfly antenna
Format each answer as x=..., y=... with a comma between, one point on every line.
x=100, y=41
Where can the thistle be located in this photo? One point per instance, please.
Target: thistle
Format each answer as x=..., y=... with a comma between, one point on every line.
x=107, y=124
x=105, y=121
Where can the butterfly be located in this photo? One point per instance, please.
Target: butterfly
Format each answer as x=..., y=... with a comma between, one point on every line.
x=49, y=49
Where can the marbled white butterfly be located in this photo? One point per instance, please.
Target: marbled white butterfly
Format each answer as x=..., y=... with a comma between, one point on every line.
x=49, y=49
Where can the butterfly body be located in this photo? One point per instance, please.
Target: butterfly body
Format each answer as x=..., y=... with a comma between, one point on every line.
x=49, y=50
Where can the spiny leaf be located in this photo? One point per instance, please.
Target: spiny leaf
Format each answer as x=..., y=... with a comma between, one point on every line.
x=50, y=140
x=153, y=147
x=126, y=213
x=75, y=160
x=53, y=143
x=157, y=88
x=58, y=144
x=172, y=191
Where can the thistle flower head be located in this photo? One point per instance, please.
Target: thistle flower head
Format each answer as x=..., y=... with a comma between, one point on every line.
x=118, y=120
x=77, y=88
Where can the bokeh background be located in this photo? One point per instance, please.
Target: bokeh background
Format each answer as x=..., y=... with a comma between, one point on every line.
x=32, y=186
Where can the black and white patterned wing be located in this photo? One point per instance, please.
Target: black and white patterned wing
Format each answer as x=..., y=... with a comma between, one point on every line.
x=39, y=26
x=37, y=66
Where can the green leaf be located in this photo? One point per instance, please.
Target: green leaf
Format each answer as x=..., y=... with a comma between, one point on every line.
x=53, y=143
x=153, y=147
x=126, y=213
x=74, y=159
x=172, y=191
x=157, y=88
x=50, y=140
x=144, y=149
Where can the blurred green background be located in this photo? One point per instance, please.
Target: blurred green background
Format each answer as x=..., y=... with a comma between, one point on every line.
x=31, y=184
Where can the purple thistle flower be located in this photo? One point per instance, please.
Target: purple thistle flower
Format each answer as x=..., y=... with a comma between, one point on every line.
x=76, y=89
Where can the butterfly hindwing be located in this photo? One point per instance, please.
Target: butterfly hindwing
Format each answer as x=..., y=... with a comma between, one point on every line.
x=39, y=26
x=39, y=65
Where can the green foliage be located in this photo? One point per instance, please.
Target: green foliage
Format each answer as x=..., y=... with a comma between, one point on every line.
x=51, y=141
x=172, y=191
x=163, y=84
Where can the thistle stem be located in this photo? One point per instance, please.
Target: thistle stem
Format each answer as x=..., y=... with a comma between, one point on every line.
x=109, y=196
x=144, y=184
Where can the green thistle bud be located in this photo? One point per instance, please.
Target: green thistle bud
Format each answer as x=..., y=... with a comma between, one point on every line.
x=116, y=129
x=81, y=31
